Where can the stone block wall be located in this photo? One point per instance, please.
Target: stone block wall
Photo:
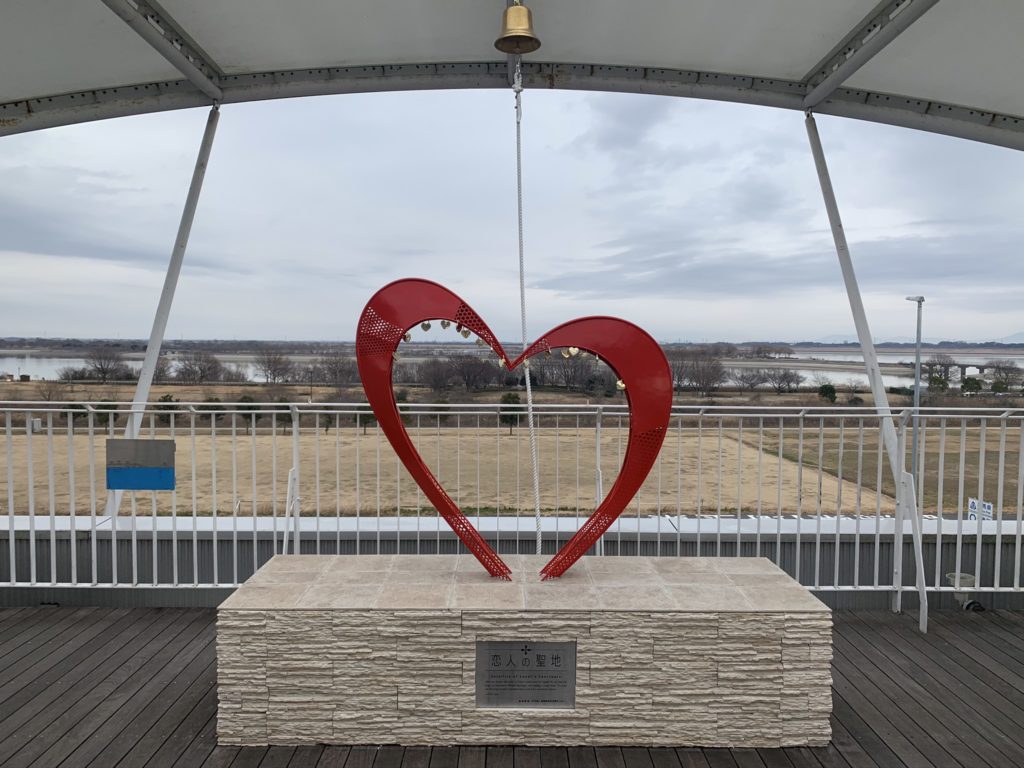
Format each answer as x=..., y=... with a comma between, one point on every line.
x=737, y=678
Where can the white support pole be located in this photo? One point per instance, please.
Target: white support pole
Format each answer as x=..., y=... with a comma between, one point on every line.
x=163, y=309
x=874, y=373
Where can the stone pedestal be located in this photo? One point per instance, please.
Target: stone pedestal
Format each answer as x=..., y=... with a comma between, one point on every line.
x=382, y=650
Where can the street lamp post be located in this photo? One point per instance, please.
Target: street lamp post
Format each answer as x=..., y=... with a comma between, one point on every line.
x=919, y=300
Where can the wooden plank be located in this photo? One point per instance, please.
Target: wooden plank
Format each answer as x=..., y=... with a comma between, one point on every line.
x=899, y=701
x=51, y=622
x=747, y=758
x=995, y=625
x=90, y=711
x=525, y=757
x=390, y=756
x=43, y=711
x=550, y=757
x=869, y=741
x=307, y=756
x=692, y=757
x=69, y=655
x=249, y=757
x=200, y=750
x=851, y=750
x=883, y=721
x=981, y=655
x=947, y=684
x=776, y=758
x=500, y=757
x=444, y=757
x=114, y=727
x=964, y=632
x=361, y=757
x=609, y=757
x=581, y=757
x=72, y=624
x=815, y=757
x=8, y=615
x=184, y=733
x=416, y=757
x=637, y=757
x=926, y=713
x=473, y=757
x=31, y=618
x=277, y=757
x=333, y=757
x=719, y=757
x=151, y=740
x=1005, y=691
x=663, y=757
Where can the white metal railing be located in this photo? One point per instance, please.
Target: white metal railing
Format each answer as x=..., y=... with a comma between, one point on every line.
x=806, y=487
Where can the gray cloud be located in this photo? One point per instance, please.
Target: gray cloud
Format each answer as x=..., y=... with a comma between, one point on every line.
x=312, y=204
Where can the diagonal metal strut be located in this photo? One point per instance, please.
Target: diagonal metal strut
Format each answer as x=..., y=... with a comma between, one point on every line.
x=883, y=26
x=157, y=29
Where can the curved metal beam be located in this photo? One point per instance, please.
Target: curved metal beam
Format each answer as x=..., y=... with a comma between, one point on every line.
x=905, y=111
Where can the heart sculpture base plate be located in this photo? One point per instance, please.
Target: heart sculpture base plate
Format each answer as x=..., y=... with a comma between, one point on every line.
x=383, y=650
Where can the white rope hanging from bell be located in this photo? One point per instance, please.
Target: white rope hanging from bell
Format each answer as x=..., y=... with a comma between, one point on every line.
x=517, y=87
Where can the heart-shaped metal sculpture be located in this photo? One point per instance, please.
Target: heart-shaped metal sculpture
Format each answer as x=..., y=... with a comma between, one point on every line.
x=628, y=350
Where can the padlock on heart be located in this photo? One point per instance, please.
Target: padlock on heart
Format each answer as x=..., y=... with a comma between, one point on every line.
x=634, y=356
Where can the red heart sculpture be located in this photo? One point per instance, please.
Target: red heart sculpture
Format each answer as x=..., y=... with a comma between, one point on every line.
x=629, y=350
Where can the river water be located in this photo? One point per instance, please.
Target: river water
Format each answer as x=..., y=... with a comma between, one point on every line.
x=49, y=367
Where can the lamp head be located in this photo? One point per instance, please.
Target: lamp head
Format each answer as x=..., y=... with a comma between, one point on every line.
x=918, y=299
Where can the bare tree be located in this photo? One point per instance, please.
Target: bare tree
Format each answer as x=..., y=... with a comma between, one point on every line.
x=51, y=390
x=783, y=379
x=1004, y=372
x=679, y=361
x=106, y=363
x=473, y=371
x=336, y=369
x=571, y=372
x=942, y=366
x=235, y=374
x=162, y=372
x=436, y=374
x=747, y=378
x=274, y=366
x=705, y=372
x=70, y=374
x=199, y=368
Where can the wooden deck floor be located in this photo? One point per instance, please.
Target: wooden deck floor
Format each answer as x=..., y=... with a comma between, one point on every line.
x=136, y=687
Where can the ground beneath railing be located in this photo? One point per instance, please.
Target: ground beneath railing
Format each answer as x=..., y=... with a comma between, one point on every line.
x=137, y=687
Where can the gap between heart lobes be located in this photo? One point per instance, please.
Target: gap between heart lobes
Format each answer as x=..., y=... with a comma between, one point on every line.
x=628, y=350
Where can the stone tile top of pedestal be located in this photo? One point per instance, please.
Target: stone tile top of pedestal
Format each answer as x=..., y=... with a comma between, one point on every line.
x=458, y=582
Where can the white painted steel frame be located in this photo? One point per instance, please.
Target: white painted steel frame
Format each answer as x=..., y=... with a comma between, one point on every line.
x=859, y=47
x=163, y=308
x=906, y=500
x=907, y=111
x=156, y=29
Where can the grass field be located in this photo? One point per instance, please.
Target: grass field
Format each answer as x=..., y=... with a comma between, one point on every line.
x=485, y=469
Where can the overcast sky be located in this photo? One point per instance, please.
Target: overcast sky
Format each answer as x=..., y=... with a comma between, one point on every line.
x=697, y=220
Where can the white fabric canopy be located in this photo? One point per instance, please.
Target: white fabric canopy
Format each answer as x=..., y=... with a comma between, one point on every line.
x=956, y=69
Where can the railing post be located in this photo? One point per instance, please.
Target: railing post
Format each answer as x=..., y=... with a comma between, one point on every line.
x=296, y=421
x=897, y=533
x=598, y=479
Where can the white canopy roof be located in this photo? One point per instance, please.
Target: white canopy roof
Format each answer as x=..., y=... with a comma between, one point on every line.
x=949, y=66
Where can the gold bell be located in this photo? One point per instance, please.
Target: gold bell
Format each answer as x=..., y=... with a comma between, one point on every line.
x=517, y=36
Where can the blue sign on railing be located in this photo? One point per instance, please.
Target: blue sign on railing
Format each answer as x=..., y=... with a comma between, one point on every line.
x=140, y=465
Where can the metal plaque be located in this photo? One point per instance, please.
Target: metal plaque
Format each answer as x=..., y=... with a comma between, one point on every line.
x=525, y=674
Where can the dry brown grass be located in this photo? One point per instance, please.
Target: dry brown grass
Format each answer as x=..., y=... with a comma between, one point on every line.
x=485, y=470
